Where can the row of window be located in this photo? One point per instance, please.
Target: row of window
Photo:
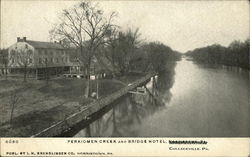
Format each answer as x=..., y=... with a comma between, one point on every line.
x=28, y=61
x=45, y=60
x=26, y=46
x=52, y=60
x=49, y=52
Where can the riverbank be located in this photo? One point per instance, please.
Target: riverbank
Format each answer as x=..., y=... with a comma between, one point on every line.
x=218, y=65
x=40, y=105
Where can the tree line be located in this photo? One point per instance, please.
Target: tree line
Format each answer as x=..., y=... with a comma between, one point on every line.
x=127, y=52
x=236, y=54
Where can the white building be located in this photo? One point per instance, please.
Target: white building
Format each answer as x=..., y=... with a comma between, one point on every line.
x=37, y=56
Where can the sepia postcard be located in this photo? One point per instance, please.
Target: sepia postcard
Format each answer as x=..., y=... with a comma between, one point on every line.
x=124, y=78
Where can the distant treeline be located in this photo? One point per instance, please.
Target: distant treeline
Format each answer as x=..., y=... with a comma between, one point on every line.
x=236, y=54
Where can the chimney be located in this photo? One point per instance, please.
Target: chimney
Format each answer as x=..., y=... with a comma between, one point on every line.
x=18, y=39
x=60, y=42
x=24, y=38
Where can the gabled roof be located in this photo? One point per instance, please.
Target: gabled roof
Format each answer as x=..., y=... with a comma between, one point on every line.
x=45, y=45
x=105, y=65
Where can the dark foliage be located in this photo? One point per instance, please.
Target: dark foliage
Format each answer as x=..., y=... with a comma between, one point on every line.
x=159, y=55
x=4, y=62
x=236, y=54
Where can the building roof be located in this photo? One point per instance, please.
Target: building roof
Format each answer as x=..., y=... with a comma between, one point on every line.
x=45, y=45
x=103, y=64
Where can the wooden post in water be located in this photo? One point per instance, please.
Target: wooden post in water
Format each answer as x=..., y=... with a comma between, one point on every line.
x=114, y=122
x=88, y=131
x=97, y=87
x=153, y=86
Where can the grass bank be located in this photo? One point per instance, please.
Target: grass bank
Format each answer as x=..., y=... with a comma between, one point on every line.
x=40, y=105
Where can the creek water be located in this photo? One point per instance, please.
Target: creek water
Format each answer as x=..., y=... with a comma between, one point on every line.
x=190, y=101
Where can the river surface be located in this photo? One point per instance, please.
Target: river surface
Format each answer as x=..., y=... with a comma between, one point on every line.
x=189, y=101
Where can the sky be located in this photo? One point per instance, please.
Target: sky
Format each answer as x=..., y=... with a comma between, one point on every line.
x=182, y=25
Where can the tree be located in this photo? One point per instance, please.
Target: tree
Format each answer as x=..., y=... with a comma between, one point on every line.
x=110, y=50
x=85, y=26
x=46, y=70
x=4, y=61
x=25, y=56
x=159, y=54
x=14, y=98
x=122, y=46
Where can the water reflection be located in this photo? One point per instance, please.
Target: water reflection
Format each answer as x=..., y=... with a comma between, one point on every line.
x=206, y=102
x=203, y=102
x=126, y=116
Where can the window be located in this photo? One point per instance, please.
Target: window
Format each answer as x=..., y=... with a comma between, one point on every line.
x=62, y=60
x=46, y=60
x=30, y=60
x=26, y=46
x=62, y=52
x=45, y=52
x=57, y=60
x=51, y=60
